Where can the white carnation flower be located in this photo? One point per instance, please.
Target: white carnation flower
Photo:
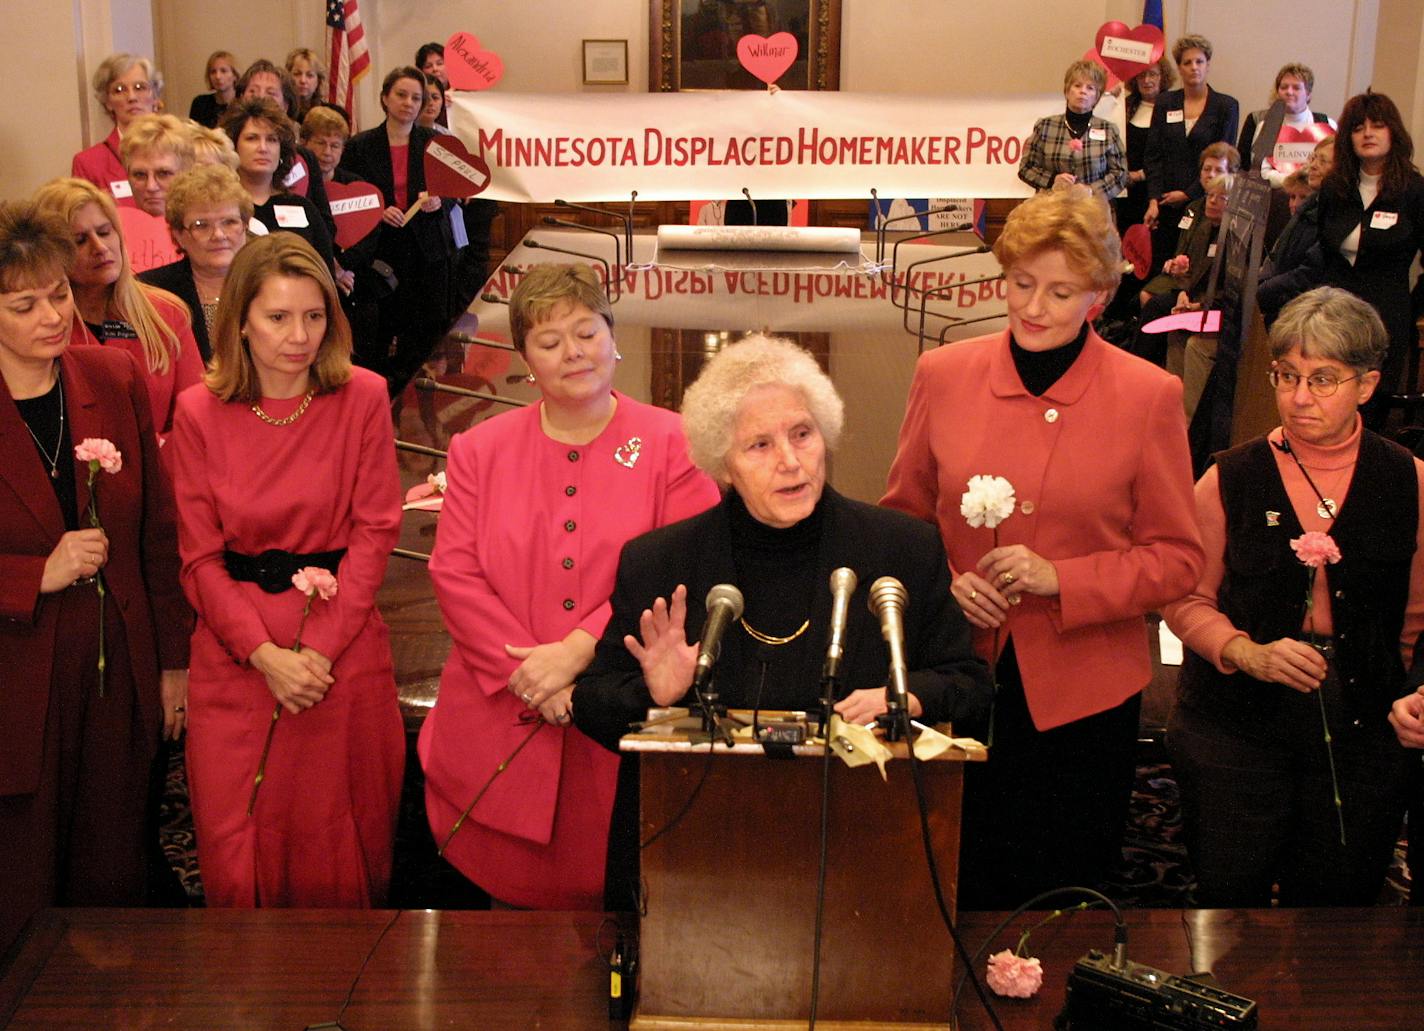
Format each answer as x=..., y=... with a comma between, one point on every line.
x=988, y=501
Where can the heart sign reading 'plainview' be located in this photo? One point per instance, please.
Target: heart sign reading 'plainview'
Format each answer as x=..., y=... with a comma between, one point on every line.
x=1129, y=52
x=470, y=66
x=452, y=171
x=357, y=209
x=767, y=57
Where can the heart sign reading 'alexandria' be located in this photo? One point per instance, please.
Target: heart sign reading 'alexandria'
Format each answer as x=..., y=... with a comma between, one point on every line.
x=452, y=171
x=469, y=65
x=767, y=57
x=1129, y=52
x=357, y=208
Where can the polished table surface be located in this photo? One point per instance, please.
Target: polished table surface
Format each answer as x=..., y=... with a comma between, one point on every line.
x=1352, y=969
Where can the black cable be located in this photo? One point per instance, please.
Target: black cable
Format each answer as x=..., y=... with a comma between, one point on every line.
x=821, y=871
x=351, y=992
x=706, y=769
x=918, y=776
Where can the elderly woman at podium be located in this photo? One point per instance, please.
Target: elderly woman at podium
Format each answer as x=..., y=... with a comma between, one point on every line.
x=539, y=502
x=761, y=419
x=1095, y=532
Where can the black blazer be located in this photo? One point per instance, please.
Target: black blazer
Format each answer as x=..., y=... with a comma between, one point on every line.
x=177, y=279
x=1173, y=154
x=368, y=156
x=205, y=110
x=945, y=675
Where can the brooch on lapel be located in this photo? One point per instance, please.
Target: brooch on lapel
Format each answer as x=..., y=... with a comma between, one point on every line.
x=626, y=454
x=1273, y=518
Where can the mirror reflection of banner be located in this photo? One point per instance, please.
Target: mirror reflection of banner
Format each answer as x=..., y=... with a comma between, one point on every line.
x=672, y=146
x=1243, y=234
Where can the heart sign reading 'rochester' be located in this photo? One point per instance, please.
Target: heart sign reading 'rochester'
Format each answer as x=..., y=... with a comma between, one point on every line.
x=767, y=57
x=469, y=65
x=452, y=171
x=1129, y=52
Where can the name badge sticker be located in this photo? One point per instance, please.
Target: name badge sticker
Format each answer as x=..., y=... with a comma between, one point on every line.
x=289, y=216
x=1185, y=223
x=256, y=228
x=1384, y=219
x=1100, y=134
x=1176, y=116
x=298, y=171
x=1211, y=251
x=120, y=188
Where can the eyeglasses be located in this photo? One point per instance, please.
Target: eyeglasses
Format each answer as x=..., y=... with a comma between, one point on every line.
x=1321, y=384
x=118, y=89
x=203, y=227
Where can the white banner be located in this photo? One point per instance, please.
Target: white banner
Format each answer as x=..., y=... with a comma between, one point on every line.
x=801, y=144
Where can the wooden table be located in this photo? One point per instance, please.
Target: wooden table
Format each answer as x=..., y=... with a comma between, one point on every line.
x=285, y=969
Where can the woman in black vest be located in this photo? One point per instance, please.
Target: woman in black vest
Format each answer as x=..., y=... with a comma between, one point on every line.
x=1265, y=670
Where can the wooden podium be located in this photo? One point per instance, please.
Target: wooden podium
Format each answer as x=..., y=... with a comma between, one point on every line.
x=728, y=935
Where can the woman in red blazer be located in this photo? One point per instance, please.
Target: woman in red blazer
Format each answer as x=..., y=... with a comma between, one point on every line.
x=74, y=762
x=1093, y=442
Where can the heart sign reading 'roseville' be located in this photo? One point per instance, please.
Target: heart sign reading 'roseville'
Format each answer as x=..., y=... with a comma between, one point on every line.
x=1129, y=52
x=357, y=208
x=767, y=57
x=452, y=171
x=470, y=66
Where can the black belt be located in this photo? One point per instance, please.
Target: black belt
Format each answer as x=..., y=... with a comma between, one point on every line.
x=272, y=570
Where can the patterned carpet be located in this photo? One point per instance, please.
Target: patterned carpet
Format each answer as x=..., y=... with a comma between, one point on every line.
x=1154, y=872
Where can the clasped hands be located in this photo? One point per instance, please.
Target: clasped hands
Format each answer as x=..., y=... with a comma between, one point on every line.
x=986, y=592
x=298, y=680
x=544, y=678
x=668, y=661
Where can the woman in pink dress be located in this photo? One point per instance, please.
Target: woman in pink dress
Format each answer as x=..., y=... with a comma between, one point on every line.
x=539, y=504
x=285, y=459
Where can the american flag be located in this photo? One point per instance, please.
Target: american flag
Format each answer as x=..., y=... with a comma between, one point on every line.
x=346, y=42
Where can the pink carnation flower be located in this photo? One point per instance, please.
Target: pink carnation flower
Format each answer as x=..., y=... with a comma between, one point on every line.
x=1018, y=977
x=97, y=449
x=311, y=579
x=1315, y=549
x=1075, y=145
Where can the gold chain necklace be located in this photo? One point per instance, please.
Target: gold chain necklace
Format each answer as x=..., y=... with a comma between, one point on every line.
x=257, y=411
x=757, y=635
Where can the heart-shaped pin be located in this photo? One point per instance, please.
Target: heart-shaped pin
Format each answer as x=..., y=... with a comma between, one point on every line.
x=147, y=240
x=469, y=65
x=1137, y=248
x=627, y=453
x=452, y=171
x=1129, y=52
x=357, y=208
x=767, y=57
x=1294, y=146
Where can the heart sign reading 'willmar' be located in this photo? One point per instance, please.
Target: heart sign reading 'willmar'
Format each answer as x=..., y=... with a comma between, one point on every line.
x=1129, y=52
x=357, y=208
x=469, y=65
x=452, y=171
x=767, y=57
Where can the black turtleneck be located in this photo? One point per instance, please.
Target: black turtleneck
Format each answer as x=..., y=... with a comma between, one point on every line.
x=1077, y=123
x=1039, y=370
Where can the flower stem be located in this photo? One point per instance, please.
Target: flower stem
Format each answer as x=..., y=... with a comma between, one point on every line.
x=993, y=673
x=1324, y=721
x=99, y=576
x=262, y=763
x=481, y=793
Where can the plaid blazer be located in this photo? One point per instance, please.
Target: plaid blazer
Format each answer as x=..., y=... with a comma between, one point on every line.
x=1099, y=164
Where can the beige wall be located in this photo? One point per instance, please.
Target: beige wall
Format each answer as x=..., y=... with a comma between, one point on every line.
x=1397, y=69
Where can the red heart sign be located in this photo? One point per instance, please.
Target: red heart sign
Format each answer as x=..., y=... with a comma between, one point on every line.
x=767, y=57
x=357, y=208
x=298, y=180
x=147, y=240
x=470, y=66
x=1113, y=81
x=452, y=171
x=1129, y=52
x=1190, y=321
x=1294, y=146
x=1137, y=248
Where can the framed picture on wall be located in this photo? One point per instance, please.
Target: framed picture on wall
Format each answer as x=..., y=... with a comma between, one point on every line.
x=605, y=62
x=693, y=43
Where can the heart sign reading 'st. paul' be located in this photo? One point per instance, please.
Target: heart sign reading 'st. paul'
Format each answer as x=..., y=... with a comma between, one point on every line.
x=1129, y=52
x=767, y=57
x=469, y=65
x=357, y=209
x=452, y=171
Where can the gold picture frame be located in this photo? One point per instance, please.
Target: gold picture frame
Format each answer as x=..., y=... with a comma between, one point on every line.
x=692, y=43
x=605, y=62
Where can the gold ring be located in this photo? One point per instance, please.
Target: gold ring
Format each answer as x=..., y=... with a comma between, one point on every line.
x=1009, y=578
x=180, y=708
x=973, y=594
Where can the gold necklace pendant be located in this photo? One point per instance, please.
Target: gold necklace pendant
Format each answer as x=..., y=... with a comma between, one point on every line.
x=287, y=421
x=757, y=635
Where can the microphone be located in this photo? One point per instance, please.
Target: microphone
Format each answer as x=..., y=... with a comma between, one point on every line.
x=626, y=220
x=492, y=298
x=748, y=195
x=608, y=279
x=843, y=584
x=724, y=606
x=887, y=601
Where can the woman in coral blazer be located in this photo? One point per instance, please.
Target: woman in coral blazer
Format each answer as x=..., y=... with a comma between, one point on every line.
x=1093, y=442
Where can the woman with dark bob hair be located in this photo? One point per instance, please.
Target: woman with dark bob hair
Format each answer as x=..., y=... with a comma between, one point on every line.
x=539, y=503
x=1278, y=654
x=78, y=742
x=285, y=462
x=1093, y=446
x=761, y=419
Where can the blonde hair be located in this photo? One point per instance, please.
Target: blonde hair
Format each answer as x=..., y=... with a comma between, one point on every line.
x=232, y=376
x=544, y=288
x=1075, y=221
x=65, y=198
x=711, y=404
x=212, y=147
x=317, y=65
x=205, y=185
x=157, y=134
x=323, y=121
x=214, y=58
x=1090, y=70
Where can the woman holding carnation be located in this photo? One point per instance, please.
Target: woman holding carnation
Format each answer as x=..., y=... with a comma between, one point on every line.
x=285, y=459
x=1076, y=146
x=75, y=763
x=1093, y=442
x=1278, y=650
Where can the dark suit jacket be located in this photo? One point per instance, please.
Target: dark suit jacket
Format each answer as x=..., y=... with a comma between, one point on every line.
x=105, y=396
x=177, y=279
x=948, y=679
x=368, y=156
x=1173, y=154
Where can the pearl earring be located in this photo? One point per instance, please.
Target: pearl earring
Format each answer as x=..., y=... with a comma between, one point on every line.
x=617, y=356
